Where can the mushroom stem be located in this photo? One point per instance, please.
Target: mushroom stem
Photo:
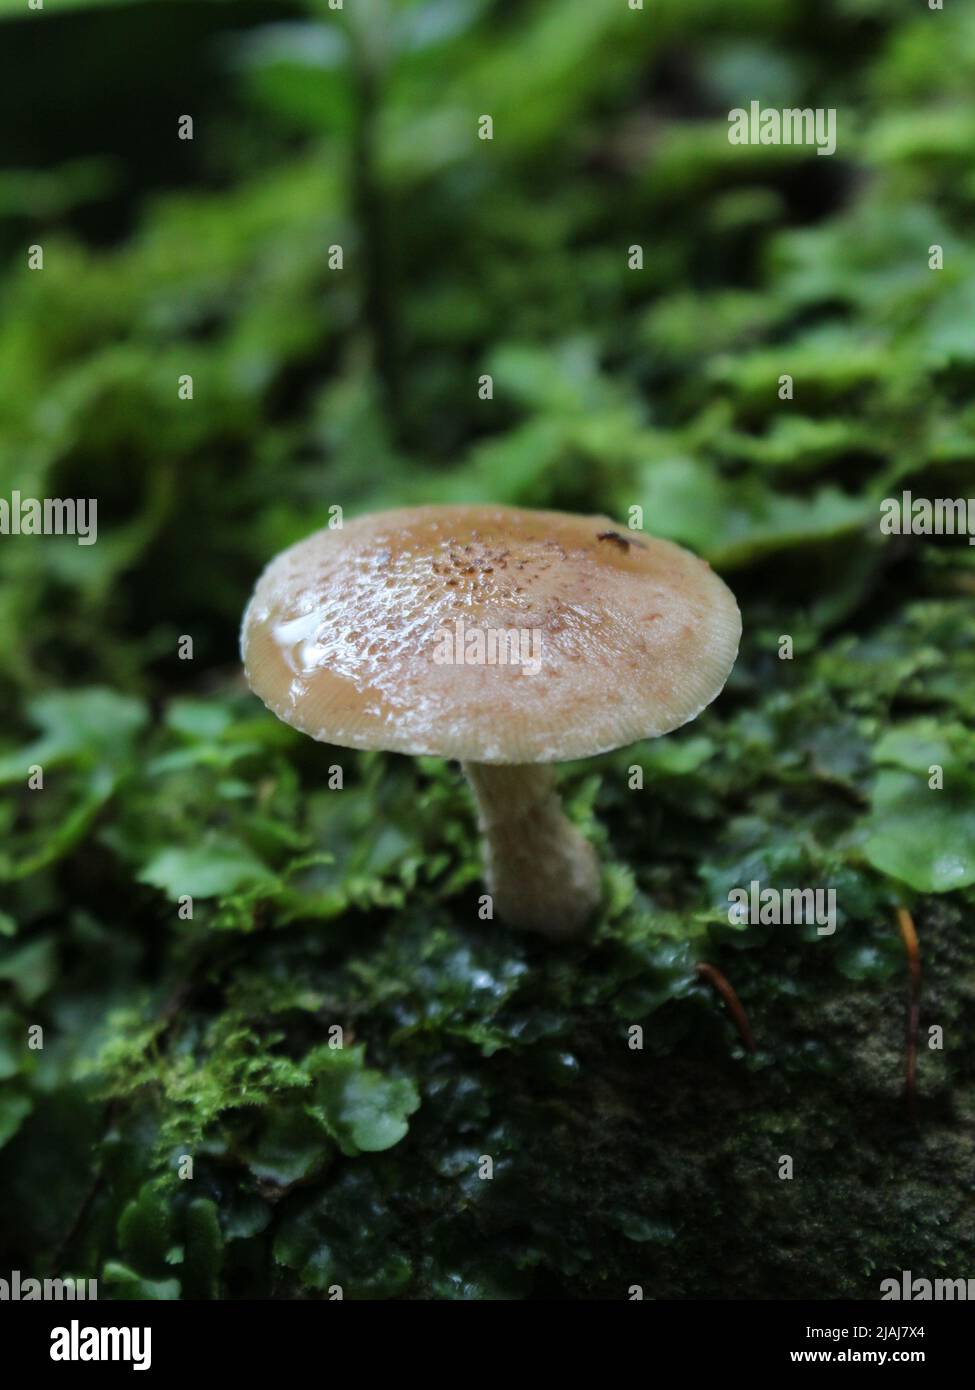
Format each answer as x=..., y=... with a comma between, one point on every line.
x=541, y=872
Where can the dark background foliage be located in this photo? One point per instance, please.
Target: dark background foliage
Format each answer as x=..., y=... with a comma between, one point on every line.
x=316, y=908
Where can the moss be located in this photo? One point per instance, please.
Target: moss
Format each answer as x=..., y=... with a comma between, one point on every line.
x=376, y=1089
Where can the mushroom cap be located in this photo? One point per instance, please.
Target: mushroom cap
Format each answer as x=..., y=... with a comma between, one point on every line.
x=352, y=635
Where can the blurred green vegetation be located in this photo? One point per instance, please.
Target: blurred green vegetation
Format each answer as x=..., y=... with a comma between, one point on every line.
x=613, y=388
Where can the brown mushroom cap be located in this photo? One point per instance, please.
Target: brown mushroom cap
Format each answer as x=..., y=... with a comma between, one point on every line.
x=636, y=635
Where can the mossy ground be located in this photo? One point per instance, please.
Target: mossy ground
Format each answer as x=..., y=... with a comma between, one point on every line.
x=314, y=908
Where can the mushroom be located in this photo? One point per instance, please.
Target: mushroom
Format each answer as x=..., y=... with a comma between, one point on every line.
x=507, y=639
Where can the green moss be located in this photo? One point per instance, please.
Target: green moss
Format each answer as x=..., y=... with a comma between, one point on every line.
x=325, y=1071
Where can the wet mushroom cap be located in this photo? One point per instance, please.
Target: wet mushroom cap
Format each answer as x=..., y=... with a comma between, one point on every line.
x=344, y=636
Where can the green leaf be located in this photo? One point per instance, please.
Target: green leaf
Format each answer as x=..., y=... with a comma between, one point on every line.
x=31, y=968
x=289, y=1148
x=364, y=1111
x=217, y=867
x=203, y=1256
x=199, y=719
x=145, y=1231
x=124, y=1283
x=94, y=724
x=347, y=1237
x=924, y=838
x=14, y=1110
x=732, y=525
x=918, y=746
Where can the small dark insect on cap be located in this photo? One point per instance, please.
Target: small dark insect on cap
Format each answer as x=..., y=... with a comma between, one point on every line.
x=624, y=542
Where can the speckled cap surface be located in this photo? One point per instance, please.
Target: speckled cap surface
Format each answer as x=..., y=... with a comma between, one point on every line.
x=488, y=634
